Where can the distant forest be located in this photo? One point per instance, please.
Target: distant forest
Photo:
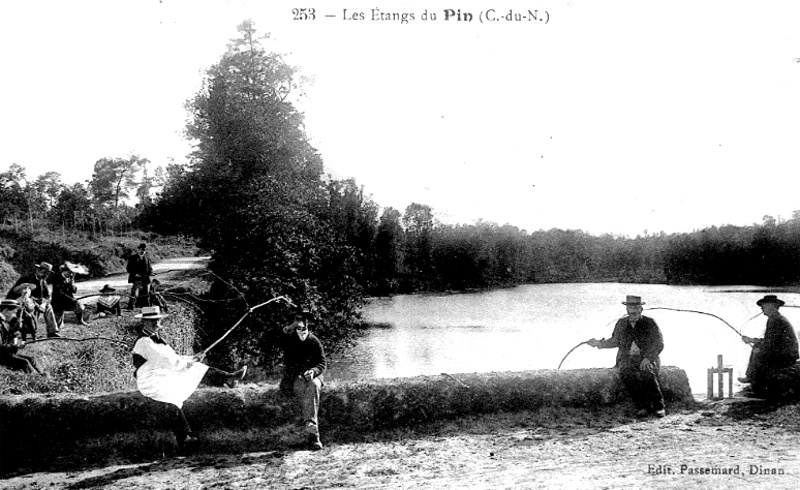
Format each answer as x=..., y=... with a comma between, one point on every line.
x=393, y=252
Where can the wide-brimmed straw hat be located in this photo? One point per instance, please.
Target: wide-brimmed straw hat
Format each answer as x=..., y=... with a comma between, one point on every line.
x=21, y=287
x=151, y=313
x=107, y=289
x=770, y=298
x=633, y=301
x=45, y=265
x=74, y=268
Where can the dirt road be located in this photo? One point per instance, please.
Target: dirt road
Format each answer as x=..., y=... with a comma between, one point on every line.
x=166, y=270
x=688, y=450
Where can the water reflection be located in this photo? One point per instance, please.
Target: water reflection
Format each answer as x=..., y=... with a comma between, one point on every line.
x=533, y=327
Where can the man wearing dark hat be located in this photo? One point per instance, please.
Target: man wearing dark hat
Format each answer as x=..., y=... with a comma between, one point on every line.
x=139, y=272
x=40, y=294
x=64, y=290
x=773, y=357
x=10, y=339
x=640, y=343
x=304, y=364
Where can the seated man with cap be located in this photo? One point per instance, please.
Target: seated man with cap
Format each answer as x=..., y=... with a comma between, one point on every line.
x=40, y=294
x=304, y=364
x=772, y=370
x=109, y=303
x=11, y=341
x=167, y=377
x=640, y=343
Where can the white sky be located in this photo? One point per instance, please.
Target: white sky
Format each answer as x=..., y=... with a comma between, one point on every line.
x=615, y=117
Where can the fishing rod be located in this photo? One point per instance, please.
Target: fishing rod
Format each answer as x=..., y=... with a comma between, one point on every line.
x=284, y=298
x=582, y=343
x=570, y=352
x=78, y=340
x=701, y=313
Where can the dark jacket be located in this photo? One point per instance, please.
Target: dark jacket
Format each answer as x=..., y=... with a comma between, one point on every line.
x=7, y=334
x=299, y=356
x=42, y=290
x=139, y=267
x=779, y=345
x=646, y=334
x=63, y=292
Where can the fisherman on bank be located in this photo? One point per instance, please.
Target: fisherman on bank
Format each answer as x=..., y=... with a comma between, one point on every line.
x=167, y=377
x=40, y=295
x=304, y=364
x=640, y=343
x=11, y=341
x=772, y=370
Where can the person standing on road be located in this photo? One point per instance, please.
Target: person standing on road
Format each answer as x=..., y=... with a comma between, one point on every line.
x=304, y=364
x=139, y=272
x=640, y=343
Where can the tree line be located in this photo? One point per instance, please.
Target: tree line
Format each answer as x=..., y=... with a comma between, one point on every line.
x=111, y=201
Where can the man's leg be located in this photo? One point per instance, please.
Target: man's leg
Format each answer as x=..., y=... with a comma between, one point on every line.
x=79, y=310
x=134, y=296
x=308, y=392
x=180, y=426
x=218, y=377
x=28, y=363
x=629, y=374
x=651, y=390
x=146, y=294
x=50, y=321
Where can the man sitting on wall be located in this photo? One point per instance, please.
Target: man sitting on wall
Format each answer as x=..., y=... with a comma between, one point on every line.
x=304, y=363
x=772, y=371
x=640, y=343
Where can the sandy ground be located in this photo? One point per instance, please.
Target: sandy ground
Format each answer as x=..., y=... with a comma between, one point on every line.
x=678, y=451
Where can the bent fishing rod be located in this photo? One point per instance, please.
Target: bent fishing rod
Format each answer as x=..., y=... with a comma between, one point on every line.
x=203, y=352
x=669, y=309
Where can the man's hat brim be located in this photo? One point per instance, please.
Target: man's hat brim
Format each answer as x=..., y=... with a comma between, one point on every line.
x=18, y=289
x=770, y=299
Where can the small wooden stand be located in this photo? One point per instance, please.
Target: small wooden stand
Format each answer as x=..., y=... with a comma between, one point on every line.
x=721, y=371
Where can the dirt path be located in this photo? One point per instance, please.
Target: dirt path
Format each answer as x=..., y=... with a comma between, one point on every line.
x=166, y=270
x=494, y=452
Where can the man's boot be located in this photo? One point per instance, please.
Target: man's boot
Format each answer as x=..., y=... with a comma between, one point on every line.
x=235, y=377
x=79, y=315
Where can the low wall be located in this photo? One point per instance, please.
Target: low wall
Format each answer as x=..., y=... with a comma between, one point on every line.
x=39, y=421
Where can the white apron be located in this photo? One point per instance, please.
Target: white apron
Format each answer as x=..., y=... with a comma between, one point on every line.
x=166, y=376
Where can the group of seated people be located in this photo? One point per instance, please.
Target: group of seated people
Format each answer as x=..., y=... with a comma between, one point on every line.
x=45, y=294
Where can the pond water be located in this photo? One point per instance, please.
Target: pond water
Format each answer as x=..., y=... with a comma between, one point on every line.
x=534, y=326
